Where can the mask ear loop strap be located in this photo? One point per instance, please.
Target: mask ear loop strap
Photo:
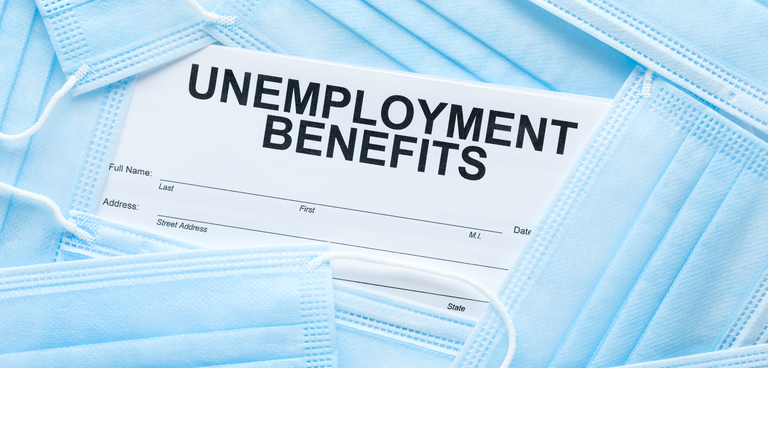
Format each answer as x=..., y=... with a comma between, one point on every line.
x=212, y=17
x=81, y=72
x=647, y=82
x=426, y=269
x=69, y=226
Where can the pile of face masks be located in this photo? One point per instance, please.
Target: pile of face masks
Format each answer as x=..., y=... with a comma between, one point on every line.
x=652, y=254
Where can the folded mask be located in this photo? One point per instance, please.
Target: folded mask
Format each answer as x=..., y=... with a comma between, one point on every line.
x=651, y=246
x=63, y=161
x=718, y=52
x=513, y=43
x=372, y=330
x=244, y=307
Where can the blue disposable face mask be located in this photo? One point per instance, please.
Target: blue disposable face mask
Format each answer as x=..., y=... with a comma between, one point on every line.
x=513, y=43
x=718, y=160
x=242, y=307
x=372, y=330
x=117, y=39
x=718, y=275
x=641, y=225
x=61, y=166
x=720, y=56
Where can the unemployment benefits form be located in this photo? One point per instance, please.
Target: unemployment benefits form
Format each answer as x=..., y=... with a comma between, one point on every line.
x=228, y=147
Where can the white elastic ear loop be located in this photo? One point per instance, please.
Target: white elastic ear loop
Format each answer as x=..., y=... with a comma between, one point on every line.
x=449, y=274
x=81, y=72
x=647, y=80
x=212, y=17
x=69, y=226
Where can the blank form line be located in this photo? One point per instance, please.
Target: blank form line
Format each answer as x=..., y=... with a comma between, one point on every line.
x=336, y=243
x=411, y=290
x=334, y=207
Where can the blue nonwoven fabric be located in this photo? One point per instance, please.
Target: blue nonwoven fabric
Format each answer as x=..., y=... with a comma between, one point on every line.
x=252, y=306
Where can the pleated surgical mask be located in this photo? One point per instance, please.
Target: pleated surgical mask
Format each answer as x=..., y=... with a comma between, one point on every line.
x=651, y=247
x=253, y=307
x=512, y=43
x=59, y=167
x=117, y=39
x=714, y=49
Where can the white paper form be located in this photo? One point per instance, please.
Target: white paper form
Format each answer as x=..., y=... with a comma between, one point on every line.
x=228, y=147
